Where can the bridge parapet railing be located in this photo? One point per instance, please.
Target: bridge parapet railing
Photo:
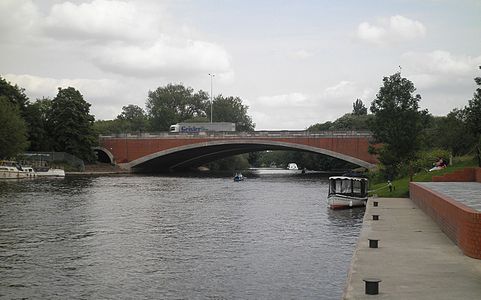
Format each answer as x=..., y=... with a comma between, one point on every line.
x=254, y=134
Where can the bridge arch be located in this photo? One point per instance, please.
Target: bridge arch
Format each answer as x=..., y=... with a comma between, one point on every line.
x=104, y=155
x=200, y=153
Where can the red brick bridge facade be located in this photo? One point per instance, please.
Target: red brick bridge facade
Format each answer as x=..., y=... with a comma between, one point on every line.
x=163, y=152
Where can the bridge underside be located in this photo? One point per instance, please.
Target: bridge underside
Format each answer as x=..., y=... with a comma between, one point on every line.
x=192, y=156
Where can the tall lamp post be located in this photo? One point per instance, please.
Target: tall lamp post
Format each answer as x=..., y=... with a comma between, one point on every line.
x=211, y=78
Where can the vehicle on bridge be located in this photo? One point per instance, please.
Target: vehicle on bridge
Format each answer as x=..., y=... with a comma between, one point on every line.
x=202, y=127
x=347, y=192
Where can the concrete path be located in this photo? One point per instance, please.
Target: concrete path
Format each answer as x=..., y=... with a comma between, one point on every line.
x=415, y=259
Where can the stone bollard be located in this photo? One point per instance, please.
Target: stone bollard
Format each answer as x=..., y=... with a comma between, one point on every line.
x=375, y=217
x=372, y=286
x=373, y=243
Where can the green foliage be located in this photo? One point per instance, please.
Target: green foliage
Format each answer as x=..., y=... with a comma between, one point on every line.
x=449, y=132
x=397, y=123
x=13, y=131
x=473, y=117
x=358, y=108
x=231, y=109
x=133, y=119
x=71, y=125
x=14, y=94
x=107, y=127
x=173, y=104
x=378, y=185
x=36, y=118
x=346, y=122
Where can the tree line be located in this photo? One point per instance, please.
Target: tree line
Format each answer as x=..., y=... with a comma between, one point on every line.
x=175, y=103
x=65, y=124
x=402, y=132
x=406, y=138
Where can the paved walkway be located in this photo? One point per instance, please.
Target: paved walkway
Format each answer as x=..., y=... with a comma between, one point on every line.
x=468, y=193
x=415, y=259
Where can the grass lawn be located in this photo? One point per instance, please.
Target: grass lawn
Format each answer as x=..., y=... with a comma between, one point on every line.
x=401, y=185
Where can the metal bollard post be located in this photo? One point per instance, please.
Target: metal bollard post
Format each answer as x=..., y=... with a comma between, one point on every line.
x=373, y=243
x=375, y=217
x=375, y=203
x=372, y=286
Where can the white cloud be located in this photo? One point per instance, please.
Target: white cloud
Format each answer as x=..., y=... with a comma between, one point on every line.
x=45, y=86
x=301, y=54
x=102, y=20
x=441, y=62
x=18, y=20
x=166, y=56
x=105, y=95
x=392, y=30
x=130, y=38
x=295, y=109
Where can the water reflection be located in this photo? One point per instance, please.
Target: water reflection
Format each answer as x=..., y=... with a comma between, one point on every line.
x=166, y=237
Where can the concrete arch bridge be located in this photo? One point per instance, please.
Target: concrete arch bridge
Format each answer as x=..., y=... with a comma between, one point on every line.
x=164, y=152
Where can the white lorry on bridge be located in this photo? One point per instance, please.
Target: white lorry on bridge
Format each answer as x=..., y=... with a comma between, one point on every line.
x=202, y=127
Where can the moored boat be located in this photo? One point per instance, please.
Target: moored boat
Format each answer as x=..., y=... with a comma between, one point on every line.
x=50, y=172
x=10, y=170
x=346, y=192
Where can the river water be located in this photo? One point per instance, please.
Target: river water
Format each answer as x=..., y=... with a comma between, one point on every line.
x=155, y=237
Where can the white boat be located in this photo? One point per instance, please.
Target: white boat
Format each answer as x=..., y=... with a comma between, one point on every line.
x=292, y=166
x=29, y=171
x=346, y=192
x=10, y=170
x=50, y=172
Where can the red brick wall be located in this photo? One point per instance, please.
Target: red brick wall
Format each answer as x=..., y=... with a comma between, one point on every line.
x=464, y=175
x=477, y=174
x=459, y=222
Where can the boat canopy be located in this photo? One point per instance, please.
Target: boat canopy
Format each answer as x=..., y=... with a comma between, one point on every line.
x=348, y=186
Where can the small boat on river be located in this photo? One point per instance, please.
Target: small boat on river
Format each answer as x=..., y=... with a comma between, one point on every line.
x=347, y=192
x=238, y=177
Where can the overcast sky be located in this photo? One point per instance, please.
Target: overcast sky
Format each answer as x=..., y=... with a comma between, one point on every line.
x=294, y=63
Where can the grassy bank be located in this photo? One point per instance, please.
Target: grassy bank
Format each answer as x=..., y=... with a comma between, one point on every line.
x=401, y=185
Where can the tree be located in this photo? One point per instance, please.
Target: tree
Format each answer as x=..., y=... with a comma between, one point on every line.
x=449, y=132
x=397, y=123
x=358, y=108
x=71, y=124
x=346, y=122
x=14, y=94
x=108, y=126
x=36, y=118
x=231, y=109
x=473, y=117
x=133, y=118
x=173, y=104
x=13, y=130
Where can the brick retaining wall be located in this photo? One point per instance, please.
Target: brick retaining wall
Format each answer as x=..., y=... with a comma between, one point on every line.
x=459, y=222
x=464, y=175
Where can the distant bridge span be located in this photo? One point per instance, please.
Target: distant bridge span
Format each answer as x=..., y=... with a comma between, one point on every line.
x=166, y=152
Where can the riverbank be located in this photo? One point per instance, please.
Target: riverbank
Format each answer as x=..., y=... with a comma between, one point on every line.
x=414, y=258
x=99, y=169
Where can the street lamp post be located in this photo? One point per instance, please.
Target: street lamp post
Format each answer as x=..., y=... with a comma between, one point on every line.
x=211, y=78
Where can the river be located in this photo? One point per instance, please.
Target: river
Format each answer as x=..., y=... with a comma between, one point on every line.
x=165, y=237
